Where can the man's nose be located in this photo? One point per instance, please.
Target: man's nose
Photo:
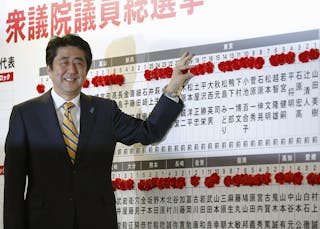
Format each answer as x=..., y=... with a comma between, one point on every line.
x=72, y=68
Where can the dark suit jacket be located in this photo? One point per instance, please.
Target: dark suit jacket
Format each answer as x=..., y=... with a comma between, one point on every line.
x=57, y=191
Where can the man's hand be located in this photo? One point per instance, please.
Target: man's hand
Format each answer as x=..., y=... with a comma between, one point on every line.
x=180, y=75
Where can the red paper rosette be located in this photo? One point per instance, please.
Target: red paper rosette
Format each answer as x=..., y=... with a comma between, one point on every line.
x=313, y=178
x=201, y=69
x=121, y=184
x=290, y=57
x=227, y=181
x=309, y=55
x=162, y=183
x=195, y=180
x=259, y=62
x=147, y=74
x=167, y=72
x=108, y=80
x=40, y=88
x=162, y=73
x=212, y=180
x=304, y=57
x=241, y=63
x=289, y=178
x=247, y=180
x=282, y=58
x=158, y=73
x=86, y=84
x=314, y=54
x=179, y=182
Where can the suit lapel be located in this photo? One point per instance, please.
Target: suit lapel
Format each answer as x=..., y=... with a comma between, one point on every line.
x=48, y=118
x=86, y=123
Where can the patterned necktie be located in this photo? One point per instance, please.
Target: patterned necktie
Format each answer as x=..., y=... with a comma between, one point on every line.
x=70, y=132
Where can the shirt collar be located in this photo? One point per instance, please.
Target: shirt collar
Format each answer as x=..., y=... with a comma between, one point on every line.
x=59, y=101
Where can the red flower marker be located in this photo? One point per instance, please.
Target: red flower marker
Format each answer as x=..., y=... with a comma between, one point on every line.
x=304, y=57
x=313, y=178
x=280, y=178
x=309, y=55
x=155, y=73
x=121, y=184
x=147, y=75
x=119, y=79
x=162, y=73
x=244, y=62
x=162, y=183
x=297, y=178
x=179, y=182
x=290, y=57
x=247, y=180
x=259, y=62
x=86, y=84
x=212, y=180
x=251, y=62
x=40, y=88
x=235, y=63
x=168, y=72
x=314, y=54
x=201, y=69
x=108, y=80
x=195, y=180
x=158, y=73
x=289, y=178
x=282, y=58
x=227, y=181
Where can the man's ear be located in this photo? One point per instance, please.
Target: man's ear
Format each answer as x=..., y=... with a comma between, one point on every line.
x=49, y=70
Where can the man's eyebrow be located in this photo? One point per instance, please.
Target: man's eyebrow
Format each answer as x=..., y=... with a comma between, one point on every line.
x=76, y=58
x=79, y=58
x=63, y=58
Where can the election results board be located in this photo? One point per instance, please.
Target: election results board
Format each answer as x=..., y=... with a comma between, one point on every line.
x=243, y=153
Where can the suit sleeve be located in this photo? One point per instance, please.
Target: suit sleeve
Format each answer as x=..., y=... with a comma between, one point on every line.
x=15, y=170
x=130, y=130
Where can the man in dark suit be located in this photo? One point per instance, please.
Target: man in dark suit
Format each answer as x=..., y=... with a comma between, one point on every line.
x=46, y=186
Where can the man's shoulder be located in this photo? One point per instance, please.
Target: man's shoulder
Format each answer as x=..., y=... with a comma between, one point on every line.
x=33, y=102
x=98, y=100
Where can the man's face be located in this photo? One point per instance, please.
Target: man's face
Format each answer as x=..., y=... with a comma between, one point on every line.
x=69, y=70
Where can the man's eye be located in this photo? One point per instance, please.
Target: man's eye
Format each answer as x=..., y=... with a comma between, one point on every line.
x=79, y=63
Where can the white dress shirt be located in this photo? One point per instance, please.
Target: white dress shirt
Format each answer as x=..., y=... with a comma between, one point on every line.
x=75, y=111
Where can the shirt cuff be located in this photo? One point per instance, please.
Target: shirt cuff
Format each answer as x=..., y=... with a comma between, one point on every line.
x=171, y=95
x=175, y=99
